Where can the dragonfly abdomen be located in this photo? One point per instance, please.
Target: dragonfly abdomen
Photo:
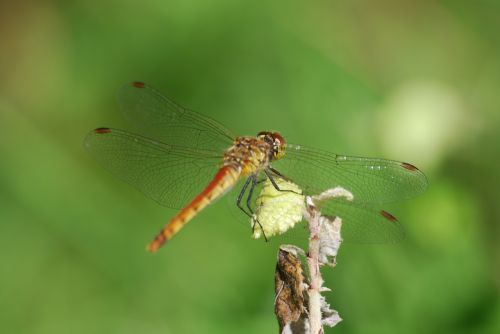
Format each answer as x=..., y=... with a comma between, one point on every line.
x=224, y=180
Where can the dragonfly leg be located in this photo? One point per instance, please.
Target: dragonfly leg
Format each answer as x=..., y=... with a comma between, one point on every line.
x=249, y=199
x=240, y=197
x=277, y=173
x=256, y=222
x=275, y=185
x=261, y=180
x=250, y=193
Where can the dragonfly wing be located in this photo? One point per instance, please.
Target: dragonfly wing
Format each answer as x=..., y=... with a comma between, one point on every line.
x=169, y=174
x=364, y=224
x=157, y=116
x=369, y=180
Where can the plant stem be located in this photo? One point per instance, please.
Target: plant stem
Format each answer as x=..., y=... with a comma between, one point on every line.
x=316, y=281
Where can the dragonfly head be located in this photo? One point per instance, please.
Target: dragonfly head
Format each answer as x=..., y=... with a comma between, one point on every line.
x=276, y=141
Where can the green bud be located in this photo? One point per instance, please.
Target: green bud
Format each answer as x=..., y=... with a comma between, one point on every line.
x=277, y=211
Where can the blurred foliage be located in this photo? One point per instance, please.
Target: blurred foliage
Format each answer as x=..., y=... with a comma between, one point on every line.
x=416, y=81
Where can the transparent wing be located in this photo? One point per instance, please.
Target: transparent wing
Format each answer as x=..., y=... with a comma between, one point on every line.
x=369, y=180
x=169, y=174
x=156, y=116
x=364, y=224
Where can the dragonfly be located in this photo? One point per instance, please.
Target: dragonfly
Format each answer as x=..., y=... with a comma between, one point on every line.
x=185, y=160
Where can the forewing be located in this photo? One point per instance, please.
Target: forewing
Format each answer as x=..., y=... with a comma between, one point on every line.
x=156, y=116
x=369, y=180
x=169, y=174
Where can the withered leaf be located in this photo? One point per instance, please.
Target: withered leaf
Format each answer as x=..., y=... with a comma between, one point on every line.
x=290, y=290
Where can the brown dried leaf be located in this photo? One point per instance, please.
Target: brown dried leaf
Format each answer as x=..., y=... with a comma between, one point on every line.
x=291, y=291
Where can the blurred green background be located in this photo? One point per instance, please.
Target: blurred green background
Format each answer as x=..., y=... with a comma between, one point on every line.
x=416, y=81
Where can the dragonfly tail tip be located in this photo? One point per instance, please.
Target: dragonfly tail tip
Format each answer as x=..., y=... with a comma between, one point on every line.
x=152, y=247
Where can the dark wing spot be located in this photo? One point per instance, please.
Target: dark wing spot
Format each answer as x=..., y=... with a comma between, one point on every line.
x=388, y=216
x=138, y=84
x=102, y=130
x=409, y=166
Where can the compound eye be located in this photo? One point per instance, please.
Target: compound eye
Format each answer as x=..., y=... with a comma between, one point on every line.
x=278, y=146
x=278, y=139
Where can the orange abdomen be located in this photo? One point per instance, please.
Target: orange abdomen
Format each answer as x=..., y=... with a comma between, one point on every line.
x=225, y=178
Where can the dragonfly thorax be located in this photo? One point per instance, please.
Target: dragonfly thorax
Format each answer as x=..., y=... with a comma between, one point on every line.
x=249, y=155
